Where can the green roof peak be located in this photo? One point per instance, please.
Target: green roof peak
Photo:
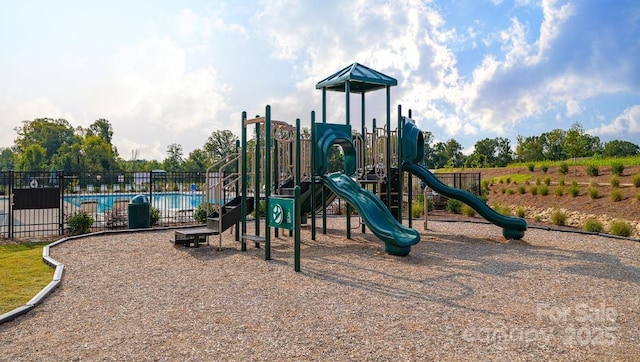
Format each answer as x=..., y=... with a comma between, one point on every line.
x=362, y=79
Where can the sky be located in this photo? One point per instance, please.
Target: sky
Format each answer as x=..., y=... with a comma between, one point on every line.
x=167, y=71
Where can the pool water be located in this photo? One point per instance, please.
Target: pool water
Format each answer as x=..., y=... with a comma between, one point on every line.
x=161, y=200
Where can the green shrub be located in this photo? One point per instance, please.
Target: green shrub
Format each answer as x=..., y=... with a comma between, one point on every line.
x=638, y=196
x=203, y=210
x=430, y=205
x=454, y=206
x=617, y=168
x=79, y=223
x=574, y=191
x=620, y=228
x=538, y=218
x=615, y=181
x=616, y=195
x=563, y=168
x=484, y=197
x=538, y=182
x=544, y=190
x=559, y=217
x=510, y=191
x=520, y=212
x=503, y=190
x=531, y=166
x=593, y=193
x=593, y=225
x=485, y=185
x=417, y=209
x=558, y=191
x=154, y=215
x=522, y=190
x=547, y=180
x=574, y=183
x=544, y=168
x=502, y=208
x=592, y=170
x=468, y=210
x=636, y=180
x=561, y=181
x=533, y=190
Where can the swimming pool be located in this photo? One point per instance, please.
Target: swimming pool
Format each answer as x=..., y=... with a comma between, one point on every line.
x=161, y=200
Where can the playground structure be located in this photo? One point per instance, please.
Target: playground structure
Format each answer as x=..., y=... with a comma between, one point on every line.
x=280, y=162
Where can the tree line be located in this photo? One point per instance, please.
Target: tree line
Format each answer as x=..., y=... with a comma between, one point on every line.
x=556, y=145
x=53, y=144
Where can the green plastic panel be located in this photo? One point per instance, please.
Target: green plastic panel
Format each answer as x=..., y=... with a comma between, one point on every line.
x=328, y=134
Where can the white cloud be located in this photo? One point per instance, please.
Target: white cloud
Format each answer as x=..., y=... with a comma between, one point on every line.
x=626, y=125
x=18, y=110
x=148, y=90
x=573, y=108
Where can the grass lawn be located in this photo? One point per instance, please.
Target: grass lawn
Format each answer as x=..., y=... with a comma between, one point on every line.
x=22, y=274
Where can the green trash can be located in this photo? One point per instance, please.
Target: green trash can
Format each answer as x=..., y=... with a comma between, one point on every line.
x=139, y=212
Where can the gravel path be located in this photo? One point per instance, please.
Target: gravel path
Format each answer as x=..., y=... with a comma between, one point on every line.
x=462, y=294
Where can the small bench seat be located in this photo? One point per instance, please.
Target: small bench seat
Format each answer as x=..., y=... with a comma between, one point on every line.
x=193, y=236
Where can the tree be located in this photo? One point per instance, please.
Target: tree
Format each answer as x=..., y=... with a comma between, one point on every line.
x=68, y=158
x=46, y=132
x=335, y=161
x=617, y=148
x=484, y=153
x=174, y=160
x=97, y=155
x=438, y=158
x=427, y=137
x=220, y=144
x=32, y=158
x=552, y=142
x=579, y=144
x=101, y=128
x=7, y=159
x=447, y=154
x=197, y=161
x=529, y=148
x=504, y=154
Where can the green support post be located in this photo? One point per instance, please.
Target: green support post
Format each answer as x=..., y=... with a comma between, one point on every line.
x=243, y=174
x=272, y=148
x=409, y=178
x=313, y=175
x=364, y=139
x=256, y=183
x=296, y=230
x=399, y=151
x=237, y=226
x=347, y=92
x=267, y=185
x=388, y=146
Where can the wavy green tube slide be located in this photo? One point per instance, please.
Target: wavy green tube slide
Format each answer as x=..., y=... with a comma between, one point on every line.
x=413, y=153
x=397, y=238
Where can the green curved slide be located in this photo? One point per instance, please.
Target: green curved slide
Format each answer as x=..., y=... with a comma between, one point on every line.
x=397, y=238
x=412, y=154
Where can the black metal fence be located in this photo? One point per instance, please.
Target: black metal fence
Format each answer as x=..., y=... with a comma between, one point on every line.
x=36, y=204
x=39, y=204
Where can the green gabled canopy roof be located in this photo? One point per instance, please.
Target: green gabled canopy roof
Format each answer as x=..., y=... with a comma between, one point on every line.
x=362, y=80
